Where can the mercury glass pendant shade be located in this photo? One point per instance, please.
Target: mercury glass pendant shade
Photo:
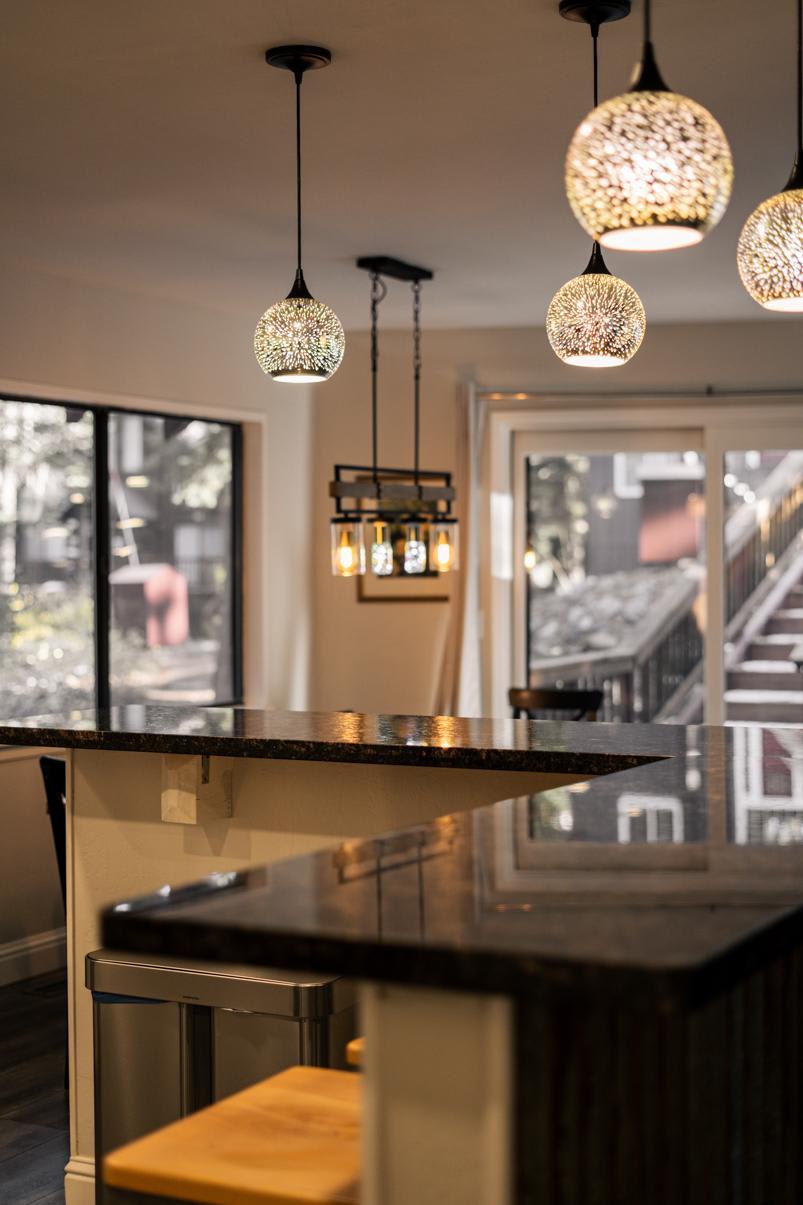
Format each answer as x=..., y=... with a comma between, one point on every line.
x=649, y=170
x=596, y=320
x=299, y=340
x=770, y=252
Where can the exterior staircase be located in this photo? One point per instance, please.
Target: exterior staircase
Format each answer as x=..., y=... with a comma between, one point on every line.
x=767, y=686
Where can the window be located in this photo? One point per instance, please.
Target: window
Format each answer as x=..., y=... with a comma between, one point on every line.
x=125, y=593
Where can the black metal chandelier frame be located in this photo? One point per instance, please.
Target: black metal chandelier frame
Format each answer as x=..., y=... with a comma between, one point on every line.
x=373, y=492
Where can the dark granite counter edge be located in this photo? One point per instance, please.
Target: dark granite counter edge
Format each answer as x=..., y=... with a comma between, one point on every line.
x=557, y=761
x=483, y=971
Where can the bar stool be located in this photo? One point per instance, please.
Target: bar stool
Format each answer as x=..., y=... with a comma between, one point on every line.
x=292, y=1139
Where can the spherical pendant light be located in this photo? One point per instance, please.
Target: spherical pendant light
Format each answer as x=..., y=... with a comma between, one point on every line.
x=770, y=251
x=649, y=170
x=299, y=340
x=596, y=320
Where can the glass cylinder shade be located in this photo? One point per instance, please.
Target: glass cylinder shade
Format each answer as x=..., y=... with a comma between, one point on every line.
x=770, y=252
x=381, y=550
x=348, y=548
x=299, y=340
x=595, y=321
x=444, y=551
x=649, y=171
x=415, y=549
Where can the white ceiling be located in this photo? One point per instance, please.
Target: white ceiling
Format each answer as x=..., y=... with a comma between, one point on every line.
x=147, y=146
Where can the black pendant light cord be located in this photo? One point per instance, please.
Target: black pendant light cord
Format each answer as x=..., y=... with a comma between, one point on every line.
x=596, y=264
x=800, y=79
x=417, y=381
x=795, y=181
x=647, y=21
x=378, y=291
x=299, y=76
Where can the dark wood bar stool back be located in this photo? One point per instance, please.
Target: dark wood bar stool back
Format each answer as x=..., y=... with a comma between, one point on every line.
x=54, y=776
x=559, y=703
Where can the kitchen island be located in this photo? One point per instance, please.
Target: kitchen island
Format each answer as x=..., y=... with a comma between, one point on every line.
x=588, y=994
x=162, y=795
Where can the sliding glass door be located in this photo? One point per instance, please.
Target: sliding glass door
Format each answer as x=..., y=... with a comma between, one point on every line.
x=663, y=566
x=613, y=572
x=762, y=637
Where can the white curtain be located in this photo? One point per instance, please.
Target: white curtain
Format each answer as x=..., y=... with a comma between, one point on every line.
x=460, y=682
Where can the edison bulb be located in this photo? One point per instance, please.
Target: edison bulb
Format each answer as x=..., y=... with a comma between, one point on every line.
x=348, y=549
x=443, y=547
x=770, y=252
x=530, y=559
x=299, y=340
x=596, y=321
x=649, y=171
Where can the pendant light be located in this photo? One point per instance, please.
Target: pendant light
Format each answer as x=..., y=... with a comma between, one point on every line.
x=770, y=252
x=596, y=320
x=299, y=340
x=649, y=170
x=409, y=507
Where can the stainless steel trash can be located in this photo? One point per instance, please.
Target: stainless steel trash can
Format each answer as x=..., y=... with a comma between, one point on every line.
x=173, y=1035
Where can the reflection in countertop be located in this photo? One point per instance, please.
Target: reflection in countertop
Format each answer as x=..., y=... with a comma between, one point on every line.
x=665, y=879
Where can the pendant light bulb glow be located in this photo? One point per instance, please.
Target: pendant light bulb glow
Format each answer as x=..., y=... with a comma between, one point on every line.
x=299, y=340
x=348, y=548
x=770, y=250
x=649, y=170
x=596, y=320
x=443, y=547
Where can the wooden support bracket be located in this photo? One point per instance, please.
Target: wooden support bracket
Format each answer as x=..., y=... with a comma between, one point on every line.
x=196, y=789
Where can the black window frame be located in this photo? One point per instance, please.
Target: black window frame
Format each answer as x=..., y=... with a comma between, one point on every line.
x=102, y=534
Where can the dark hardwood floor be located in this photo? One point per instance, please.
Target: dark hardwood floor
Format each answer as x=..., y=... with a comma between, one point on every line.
x=34, y=1140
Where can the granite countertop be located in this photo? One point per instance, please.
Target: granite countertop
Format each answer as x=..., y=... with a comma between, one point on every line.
x=659, y=884
x=351, y=737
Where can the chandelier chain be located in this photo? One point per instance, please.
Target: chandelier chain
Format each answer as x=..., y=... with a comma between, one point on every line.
x=416, y=286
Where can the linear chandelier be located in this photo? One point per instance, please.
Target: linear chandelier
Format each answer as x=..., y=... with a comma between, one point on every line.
x=407, y=512
x=649, y=170
x=299, y=340
x=770, y=251
x=595, y=320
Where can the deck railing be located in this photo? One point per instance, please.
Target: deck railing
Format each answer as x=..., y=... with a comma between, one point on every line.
x=658, y=675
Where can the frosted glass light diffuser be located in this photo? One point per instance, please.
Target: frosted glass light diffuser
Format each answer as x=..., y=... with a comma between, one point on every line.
x=649, y=171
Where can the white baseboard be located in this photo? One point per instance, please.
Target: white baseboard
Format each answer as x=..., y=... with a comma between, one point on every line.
x=30, y=956
x=79, y=1181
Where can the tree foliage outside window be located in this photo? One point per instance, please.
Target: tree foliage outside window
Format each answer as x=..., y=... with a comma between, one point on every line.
x=171, y=591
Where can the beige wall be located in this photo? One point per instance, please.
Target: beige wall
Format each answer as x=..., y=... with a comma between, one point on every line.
x=386, y=657
x=31, y=913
